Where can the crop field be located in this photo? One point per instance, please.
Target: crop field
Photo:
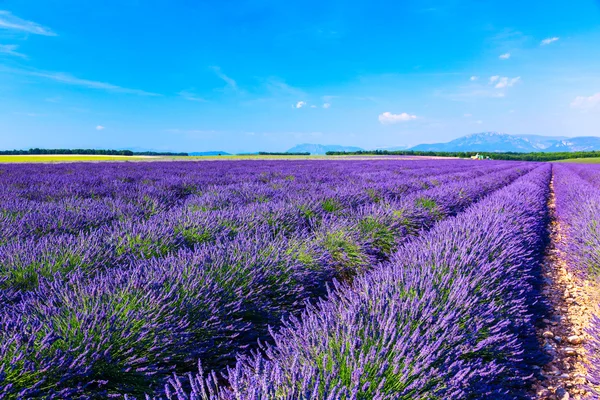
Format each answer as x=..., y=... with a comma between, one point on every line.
x=591, y=160
x=297, y=279
x=54, y=158
x=60, y=158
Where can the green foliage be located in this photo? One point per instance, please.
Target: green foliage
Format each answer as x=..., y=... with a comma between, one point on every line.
x=346, y=253
x=195, y=235
x=331, y=205
x=37, y=151
x=378, y=234
x=143, y=247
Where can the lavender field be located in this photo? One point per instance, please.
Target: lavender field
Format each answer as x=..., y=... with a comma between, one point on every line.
x=322, y=279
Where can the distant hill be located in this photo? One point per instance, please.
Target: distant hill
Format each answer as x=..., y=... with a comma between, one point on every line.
x=502, y=142
x=209, y=153
x=320, y=148
x=582, y=143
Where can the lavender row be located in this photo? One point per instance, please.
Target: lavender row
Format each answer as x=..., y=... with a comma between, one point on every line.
x=125, y=329
x=448, y=317
x=578, y=211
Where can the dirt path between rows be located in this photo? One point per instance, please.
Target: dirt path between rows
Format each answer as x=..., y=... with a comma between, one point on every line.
x=572, y=301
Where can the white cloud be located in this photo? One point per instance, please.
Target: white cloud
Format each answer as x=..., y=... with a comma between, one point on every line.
x=71, y=80
x=326, y=105
x=191, y=96
x=389, y=118
x=494, y=78
x=586, y=102
x=548, y=41
x=231, y=84
x=468, y=115
x=14, y=23
x=313, y=106
x=479, y=122
x=100, y=128
x=504, y=56
x=10, y=50
x=473, y=78
x=300, y=104
x=504, y=82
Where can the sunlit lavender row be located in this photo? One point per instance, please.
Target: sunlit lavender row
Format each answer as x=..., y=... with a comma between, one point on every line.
x=577, y=189
x=449, y=316
x=115, y=276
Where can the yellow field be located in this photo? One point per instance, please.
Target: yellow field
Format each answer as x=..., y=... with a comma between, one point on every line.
x=52, y=158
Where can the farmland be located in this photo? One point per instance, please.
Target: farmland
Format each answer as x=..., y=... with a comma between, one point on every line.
x=54, y=158
x=62, y=158
x=591, y=160
x=294, y=279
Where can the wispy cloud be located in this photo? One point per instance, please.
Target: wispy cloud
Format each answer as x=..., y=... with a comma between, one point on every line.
x=507, y=39
x=326, y=105
x=74, y=81
x=193, y=132
x=468, y=115
x=501, y=82
x=30, y=114
x=504, y=82
x=473, y=78
x=231, y=84
x=470, y=94
x=10, y=50
x=548, y=41
x=100, y=128
x=191, y=96
x=389, y=118
x=504, y=56
x=279, y=88
x=586, y=102
x=14, y=23
x=300, y=104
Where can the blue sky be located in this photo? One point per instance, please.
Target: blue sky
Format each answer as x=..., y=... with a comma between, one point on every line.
x=266, y=75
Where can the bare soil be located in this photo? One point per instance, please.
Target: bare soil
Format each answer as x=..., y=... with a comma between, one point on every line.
x=572, y=301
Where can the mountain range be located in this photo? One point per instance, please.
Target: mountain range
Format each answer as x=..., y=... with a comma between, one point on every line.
x=483, y=141
x=502, y=142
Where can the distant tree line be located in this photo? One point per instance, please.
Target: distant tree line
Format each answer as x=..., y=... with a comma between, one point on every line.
x=159, y=153
x=538, y=156
x=37, y=151
x=267, y=153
